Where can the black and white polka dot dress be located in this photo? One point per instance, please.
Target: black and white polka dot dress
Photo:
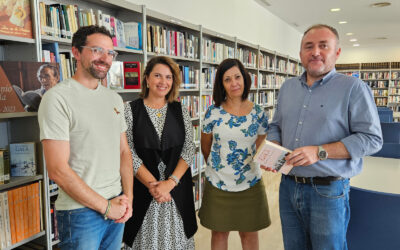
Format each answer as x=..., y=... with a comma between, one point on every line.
x=162, y=226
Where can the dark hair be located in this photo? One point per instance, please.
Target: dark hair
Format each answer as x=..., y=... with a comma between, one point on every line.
x=80, y=36
x=56, y=72
x=321, y=26
x=176, y=76
x=219, y=93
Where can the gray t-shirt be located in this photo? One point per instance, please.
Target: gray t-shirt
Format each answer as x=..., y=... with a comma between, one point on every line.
x=92, y=121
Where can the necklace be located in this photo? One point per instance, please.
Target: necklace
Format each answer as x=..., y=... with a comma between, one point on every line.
x=158, y=114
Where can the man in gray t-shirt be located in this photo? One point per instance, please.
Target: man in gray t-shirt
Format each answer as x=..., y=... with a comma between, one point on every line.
x=82, y=129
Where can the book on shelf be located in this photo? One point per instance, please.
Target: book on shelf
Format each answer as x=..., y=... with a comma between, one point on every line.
x=22, y=84
x=115, y=76
x=273, y=156
x=15, y=18
x=23, y=159
x=132, y=75
x=4, y=166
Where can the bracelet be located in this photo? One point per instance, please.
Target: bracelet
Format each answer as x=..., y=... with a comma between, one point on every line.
x=175, y=179
x=107, y=210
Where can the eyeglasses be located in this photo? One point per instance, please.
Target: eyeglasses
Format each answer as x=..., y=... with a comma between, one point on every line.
x=98, y=51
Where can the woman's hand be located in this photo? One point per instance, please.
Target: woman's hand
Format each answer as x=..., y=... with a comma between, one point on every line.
x=268, y=168
x=160, y=190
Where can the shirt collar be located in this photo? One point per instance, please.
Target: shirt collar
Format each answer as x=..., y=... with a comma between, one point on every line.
x=327, y=77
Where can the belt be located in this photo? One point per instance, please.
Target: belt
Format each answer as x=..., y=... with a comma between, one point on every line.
x=315, y=180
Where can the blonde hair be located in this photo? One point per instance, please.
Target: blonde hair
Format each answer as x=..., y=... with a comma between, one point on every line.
x=176, y=77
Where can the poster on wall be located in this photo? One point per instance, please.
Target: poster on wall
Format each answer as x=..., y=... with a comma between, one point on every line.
x=22, y=84
x=15, y=18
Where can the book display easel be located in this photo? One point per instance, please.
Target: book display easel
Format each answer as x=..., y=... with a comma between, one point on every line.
x=140, y=34
x=384, y=80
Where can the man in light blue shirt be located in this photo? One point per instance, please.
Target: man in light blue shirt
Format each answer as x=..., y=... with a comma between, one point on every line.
x=330, y=121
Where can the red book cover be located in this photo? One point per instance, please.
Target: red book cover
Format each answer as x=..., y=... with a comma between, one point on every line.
x=15, y=18
x=132, y=75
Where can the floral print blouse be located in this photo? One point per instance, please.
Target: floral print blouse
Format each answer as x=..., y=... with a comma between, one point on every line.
x=230, y=165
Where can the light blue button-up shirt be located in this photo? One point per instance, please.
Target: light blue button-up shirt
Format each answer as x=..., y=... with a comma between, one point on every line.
x=335, y=108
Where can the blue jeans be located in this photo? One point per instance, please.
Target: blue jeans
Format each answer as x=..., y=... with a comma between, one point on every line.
x=86, y=229
x=314, y=216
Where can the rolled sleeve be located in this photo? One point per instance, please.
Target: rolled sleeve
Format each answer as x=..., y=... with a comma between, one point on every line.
x=366, y=134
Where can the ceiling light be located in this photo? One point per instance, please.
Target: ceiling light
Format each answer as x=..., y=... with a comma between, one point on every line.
x=382, y=38
x=381, y=4
x=353, y=40
x=356, y=44
x=335, y=9
x=342, y=22
x=349, y=34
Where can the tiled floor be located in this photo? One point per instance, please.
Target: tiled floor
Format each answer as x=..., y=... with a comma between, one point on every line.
x=270, y=238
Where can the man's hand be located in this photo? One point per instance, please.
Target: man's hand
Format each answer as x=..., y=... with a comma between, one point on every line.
x=303, y=156
x=160, y=190
x=119, y=206
x=128, y=212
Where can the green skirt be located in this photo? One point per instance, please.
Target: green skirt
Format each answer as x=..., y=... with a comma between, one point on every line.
x=244, y=211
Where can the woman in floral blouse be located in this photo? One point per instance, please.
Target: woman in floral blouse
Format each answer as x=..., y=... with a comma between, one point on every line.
x=234, y=197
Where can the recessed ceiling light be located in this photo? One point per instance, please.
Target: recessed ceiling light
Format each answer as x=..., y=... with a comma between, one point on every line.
x=342, y=22
x=381, y=4
x=356, y=44
x=353, y=40
x=335, y=9
x=349, y=34
x=382, y=38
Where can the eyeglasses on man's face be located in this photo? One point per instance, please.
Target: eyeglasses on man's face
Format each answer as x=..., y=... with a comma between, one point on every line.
x=98, y=51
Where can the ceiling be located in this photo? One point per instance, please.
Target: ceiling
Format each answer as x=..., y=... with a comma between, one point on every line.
x=368, y=24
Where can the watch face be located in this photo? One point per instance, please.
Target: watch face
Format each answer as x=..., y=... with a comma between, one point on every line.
x=322, y=154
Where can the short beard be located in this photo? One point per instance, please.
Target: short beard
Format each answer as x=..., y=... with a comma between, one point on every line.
x=96, y=74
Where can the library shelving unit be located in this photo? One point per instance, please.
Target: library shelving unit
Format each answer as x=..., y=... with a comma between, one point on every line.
x=198, y=52
x=383, y=79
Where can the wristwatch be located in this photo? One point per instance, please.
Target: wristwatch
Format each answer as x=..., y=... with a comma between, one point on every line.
x=322, y=154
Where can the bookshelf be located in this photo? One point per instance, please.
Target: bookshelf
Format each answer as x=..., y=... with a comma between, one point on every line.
x=383, y=78
x=204, y=48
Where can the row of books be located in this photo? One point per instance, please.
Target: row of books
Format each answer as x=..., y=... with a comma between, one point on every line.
x=198, y=163
x=166, y=41
x=381, y=65
x=394, y=99
x=377, y=84
x=206, y=101
x=60, y=20
x=189, y=76
x=207, y=77
x=380, y=101
x=266, y=62
x=395, y=75
x=198, y=193
x=192, y=105
x=4, y=166
x=380, y=92
x=282, y=65
x=247, y=57
x=374, y=75
x=292, y=68
x=265, y=98
x=395, y=84
x=216, y=52
x=266, y=81
x=254, y=80
x=20, y=216
x=394, y=91
x=279, y=80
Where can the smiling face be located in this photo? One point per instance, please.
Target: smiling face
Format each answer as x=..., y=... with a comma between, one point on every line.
x=96, y=65
x=233, y=82
x=159, y=80
x=319, y=52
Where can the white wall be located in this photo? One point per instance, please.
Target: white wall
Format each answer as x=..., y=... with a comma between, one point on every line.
x=245, y=19
x=370, y=54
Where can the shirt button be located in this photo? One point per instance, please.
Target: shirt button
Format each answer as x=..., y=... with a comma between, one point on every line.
x=305, y=106
x=297, y=139
x=310, y=90
x=300, y=123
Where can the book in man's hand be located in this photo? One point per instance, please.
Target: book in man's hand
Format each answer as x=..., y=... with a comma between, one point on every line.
x=272, y=155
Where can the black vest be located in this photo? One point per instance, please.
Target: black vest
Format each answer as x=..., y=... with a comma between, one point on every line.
x=151, y=150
